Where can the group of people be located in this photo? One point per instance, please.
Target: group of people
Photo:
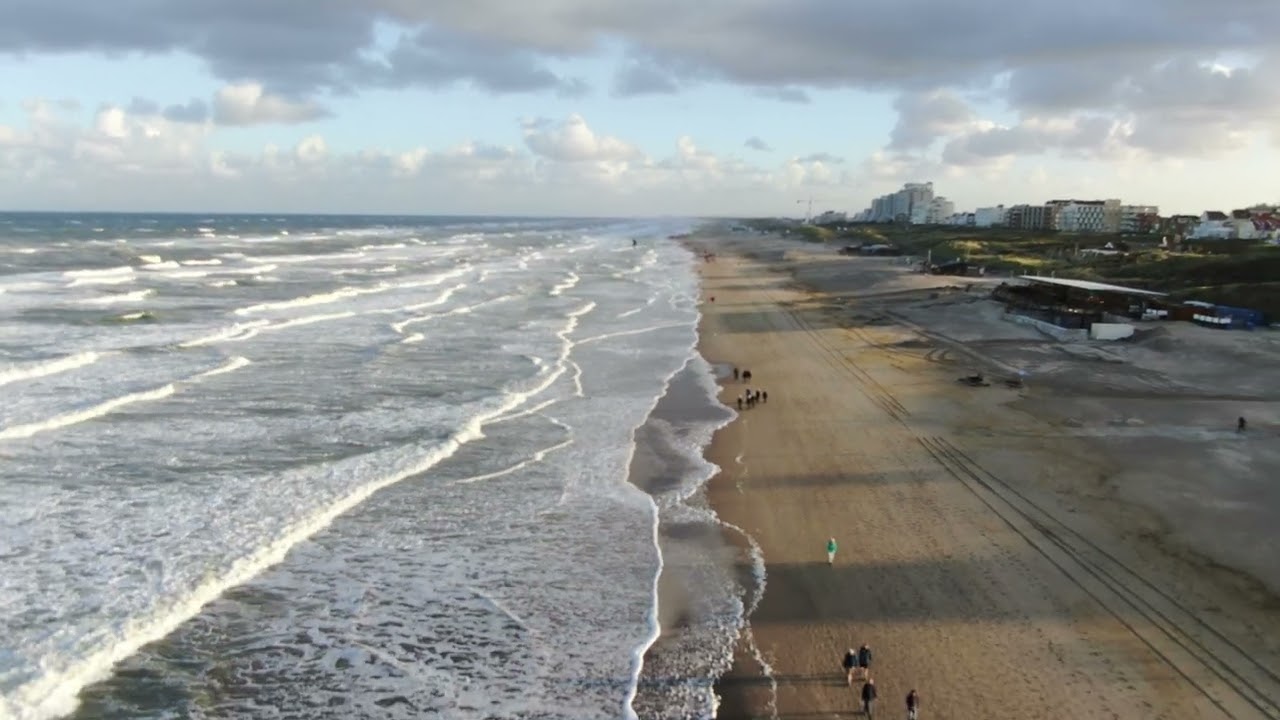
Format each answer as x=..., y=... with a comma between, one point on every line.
x=857, y=665
x=749, y=398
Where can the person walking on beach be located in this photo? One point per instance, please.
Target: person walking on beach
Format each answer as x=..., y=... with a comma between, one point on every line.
x=1240, y=424
x=868, y=697
x=739, y=402
x=850, y=663
x=764, y=396
x=831, y=551
x=913, y=706
x=735, y=374
x=864, y=660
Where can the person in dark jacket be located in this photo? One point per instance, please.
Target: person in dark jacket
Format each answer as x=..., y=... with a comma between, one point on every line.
x=849, y=664
x=913, y=705
x=868, y=697
x=864, y=660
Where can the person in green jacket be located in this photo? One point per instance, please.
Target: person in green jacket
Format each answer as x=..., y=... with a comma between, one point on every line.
x=831, y=551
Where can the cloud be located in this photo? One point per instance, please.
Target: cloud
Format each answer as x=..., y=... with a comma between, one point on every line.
x=924, y=117
x=573, y=141
x=644, y=77
x=148, y=162
x=250, y=104
x=193, y=111
x=431, y=57
x=821, y=157
x=784, y=94
x=756, y=143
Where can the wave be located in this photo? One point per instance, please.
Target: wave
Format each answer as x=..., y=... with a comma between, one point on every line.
x=43, y=368
x=317, y=299
x=231, y=333
x=73, y=418
x=57, y=693
x=294, y=259
x=135, y=296
x=108, y=276
x=210, y=261
x=567, y=284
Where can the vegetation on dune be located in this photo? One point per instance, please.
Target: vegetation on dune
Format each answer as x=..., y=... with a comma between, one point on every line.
x=1229, y=272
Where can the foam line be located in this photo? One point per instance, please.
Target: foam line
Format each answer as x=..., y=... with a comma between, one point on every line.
x=135, y=296
x=60, y=421
x=73, y=418
x=39, y=369
x=624, y=333
x=569, y=283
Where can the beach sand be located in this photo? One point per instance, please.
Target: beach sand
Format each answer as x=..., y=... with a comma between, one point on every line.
x=986, y=555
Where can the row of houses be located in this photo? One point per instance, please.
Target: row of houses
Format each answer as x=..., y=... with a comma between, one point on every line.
x=917, y=204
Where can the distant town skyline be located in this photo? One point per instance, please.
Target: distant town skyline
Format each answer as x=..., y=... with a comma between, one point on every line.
x=591, y=107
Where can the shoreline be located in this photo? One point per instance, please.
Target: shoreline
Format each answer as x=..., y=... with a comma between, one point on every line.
x=932, y=565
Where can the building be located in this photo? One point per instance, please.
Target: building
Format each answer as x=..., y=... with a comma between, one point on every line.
x=902, y=205
x=1213, y=225
x=1032, y=217
x=935, y=212
x=990, y=216
x=1085, y=216
x=1139, y=219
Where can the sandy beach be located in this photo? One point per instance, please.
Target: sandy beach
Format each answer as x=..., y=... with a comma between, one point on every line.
x=1099, y=543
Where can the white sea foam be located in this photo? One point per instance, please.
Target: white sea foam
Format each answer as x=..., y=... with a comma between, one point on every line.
x=159, y=264
x=567, y=284
x=135, y=296
x=210, y=261
x=43, y=368
x=72, y=418
x=235, y=332
x=108, y=276
x=318, y=299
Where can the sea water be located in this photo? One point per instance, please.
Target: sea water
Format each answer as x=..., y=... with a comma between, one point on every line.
x=305, y=467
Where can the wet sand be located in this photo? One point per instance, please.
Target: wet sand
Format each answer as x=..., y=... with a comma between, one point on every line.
x=972, y=576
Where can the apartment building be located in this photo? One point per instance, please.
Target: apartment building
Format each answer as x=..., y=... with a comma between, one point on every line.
x=1084, y=216
x=1032, y=217
x=990, y=216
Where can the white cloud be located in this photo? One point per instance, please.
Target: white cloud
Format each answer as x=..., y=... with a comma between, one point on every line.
x=175, y=165
x=250, y=104
x=573, y=141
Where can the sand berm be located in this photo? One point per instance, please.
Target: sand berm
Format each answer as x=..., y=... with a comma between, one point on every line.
x=1008, y=552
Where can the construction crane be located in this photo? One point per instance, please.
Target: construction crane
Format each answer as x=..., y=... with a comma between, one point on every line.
x=808, y=215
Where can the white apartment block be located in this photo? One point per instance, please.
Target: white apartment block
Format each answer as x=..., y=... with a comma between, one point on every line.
x=990, y=216
x=1085, y=216
x=902, y=204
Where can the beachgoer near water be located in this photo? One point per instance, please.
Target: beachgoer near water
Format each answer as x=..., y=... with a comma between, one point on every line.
x=1240, y=424
x=850, y=663
x=739, y=402
x=913, y=706
x=746, y=376
x=764, y=396
x=864, y=660
x=868, y=697
x=735, y=374
x=831, y=551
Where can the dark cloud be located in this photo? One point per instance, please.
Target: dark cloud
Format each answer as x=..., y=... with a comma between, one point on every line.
x=193, y=111
x=756, y=143
x=926, y=116
x=433, y=58
x=291, y=47
x=639, y=77
x=784, y=94
x=142, y=106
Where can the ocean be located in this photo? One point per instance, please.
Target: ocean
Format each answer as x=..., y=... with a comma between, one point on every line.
x=339, y=467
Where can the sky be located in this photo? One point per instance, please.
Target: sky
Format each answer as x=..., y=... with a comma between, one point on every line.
x=633, y=107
